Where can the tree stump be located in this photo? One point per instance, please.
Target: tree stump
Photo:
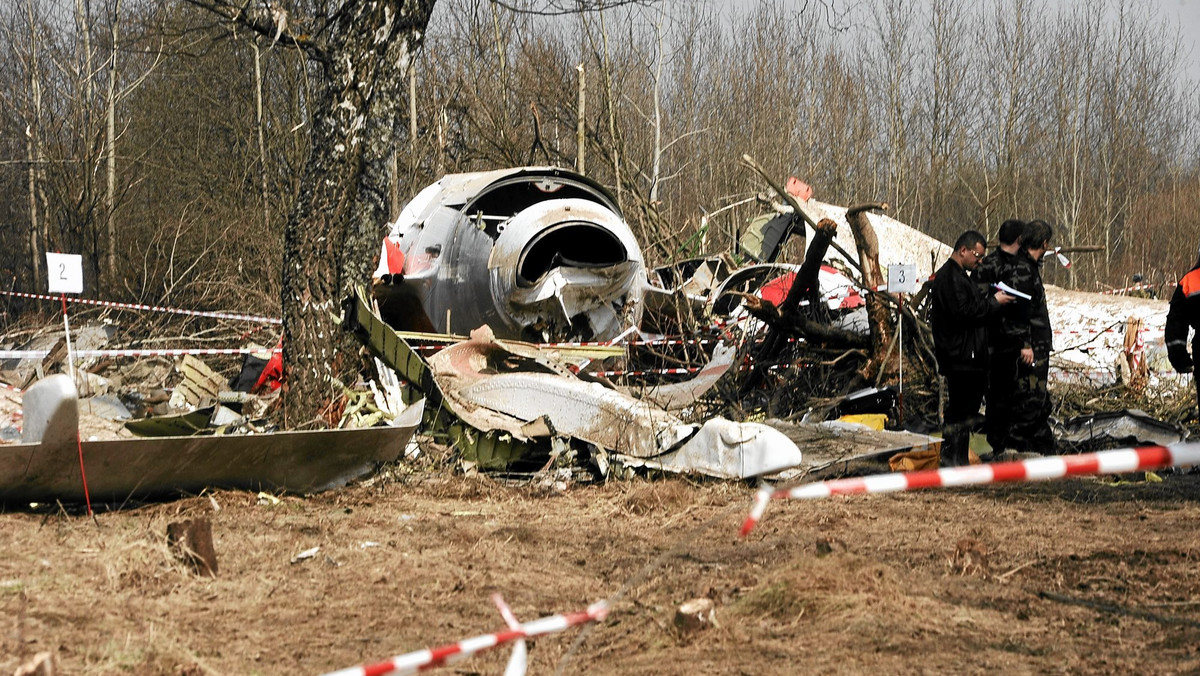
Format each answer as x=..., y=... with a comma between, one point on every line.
x=695, y=615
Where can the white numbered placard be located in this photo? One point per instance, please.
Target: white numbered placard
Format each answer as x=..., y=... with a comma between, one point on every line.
x=902, y=278
x=65, y=272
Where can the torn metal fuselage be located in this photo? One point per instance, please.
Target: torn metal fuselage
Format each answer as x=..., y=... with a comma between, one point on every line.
x=536, y=253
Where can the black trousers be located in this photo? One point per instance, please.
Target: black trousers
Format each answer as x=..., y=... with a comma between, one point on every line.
x=964, y=395
x=1002, y=385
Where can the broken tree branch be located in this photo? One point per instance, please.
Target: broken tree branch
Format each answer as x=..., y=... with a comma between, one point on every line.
x=878, y=316
x=749, y=162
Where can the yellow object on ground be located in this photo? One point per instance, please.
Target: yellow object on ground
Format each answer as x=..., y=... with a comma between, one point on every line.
x=873, y=420
x=925, y=458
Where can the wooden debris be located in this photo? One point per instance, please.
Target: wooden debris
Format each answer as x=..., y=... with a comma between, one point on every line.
x=191, y=542
x=695, y=615
x=51, y=363
x=200, y=384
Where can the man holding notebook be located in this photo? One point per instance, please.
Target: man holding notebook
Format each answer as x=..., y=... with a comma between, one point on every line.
x=959, y=315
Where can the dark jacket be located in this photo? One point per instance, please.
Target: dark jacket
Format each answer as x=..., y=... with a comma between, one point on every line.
x=1027, y=278
x=959, y=314
x=1008, y=329
x=1184, y=312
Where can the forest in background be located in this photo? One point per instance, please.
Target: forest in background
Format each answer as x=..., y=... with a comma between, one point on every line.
x=167, y=148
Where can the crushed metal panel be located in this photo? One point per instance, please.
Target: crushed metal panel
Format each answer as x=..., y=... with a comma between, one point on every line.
x=1115, y=429
x=727, y=450
x=678, y=396
x=528, y=389
x=766, y=235
x=294, y=462
x=491, y=387
x=182, y=425
x=487, y=386
x=390, y=347
x=50, y=411
x=478, y=441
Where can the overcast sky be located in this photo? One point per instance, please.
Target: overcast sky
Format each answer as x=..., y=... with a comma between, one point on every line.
x=1187, y=14
x=1184, y=14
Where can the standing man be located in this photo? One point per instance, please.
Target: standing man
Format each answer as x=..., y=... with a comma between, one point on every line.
x=959, y=316
x=1030, y=412
x=1184, y=314
x=1007, y=334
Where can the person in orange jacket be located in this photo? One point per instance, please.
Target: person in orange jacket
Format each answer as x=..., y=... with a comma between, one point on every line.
x=1184, y=314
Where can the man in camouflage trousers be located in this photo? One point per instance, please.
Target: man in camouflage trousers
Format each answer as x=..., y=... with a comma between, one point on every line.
x=1007, y=333
x=1029, y=429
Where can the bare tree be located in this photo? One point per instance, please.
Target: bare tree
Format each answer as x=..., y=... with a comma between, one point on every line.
x=25, y=31
x=895, y=63
x=362, y=51
x=1073, y=90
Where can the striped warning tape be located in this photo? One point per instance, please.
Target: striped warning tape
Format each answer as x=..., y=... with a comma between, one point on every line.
x=1037, y=469
x=634, y=343
x=166, y=352
x=645, y=372
x=1096, y=332
x=421, y=660
x=150, y=308
x=23, y=354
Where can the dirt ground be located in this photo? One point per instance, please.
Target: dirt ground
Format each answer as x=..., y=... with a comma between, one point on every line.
x=1076, y=576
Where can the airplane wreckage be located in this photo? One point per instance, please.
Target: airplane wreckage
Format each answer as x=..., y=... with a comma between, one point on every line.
x=540, y=267
x=517, y=307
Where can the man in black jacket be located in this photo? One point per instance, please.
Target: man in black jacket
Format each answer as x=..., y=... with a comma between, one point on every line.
x=1184, y=314
x=1007, y=332
x=959, y=316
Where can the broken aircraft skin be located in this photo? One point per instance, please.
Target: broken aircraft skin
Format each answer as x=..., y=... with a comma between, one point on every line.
x=522, y=390
x=46, y=464
x=536, y=253
x=501, y=402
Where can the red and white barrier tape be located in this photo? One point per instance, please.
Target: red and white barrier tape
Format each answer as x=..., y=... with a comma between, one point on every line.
x=635, y=343
x=421, y=660
x=1037, y=469
x=23, y=354
x=645, y=372
x=150, y=308
x=1092, y=332
x=518, y=661
x=166, y=352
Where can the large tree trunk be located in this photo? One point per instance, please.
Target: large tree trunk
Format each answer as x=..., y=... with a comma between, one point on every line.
x=333, y=230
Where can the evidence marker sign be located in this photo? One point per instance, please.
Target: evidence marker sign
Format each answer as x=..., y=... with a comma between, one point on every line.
x=902, y=278
x=64, y=272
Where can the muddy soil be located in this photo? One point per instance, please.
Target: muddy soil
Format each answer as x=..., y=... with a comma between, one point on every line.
x=1076, y=576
